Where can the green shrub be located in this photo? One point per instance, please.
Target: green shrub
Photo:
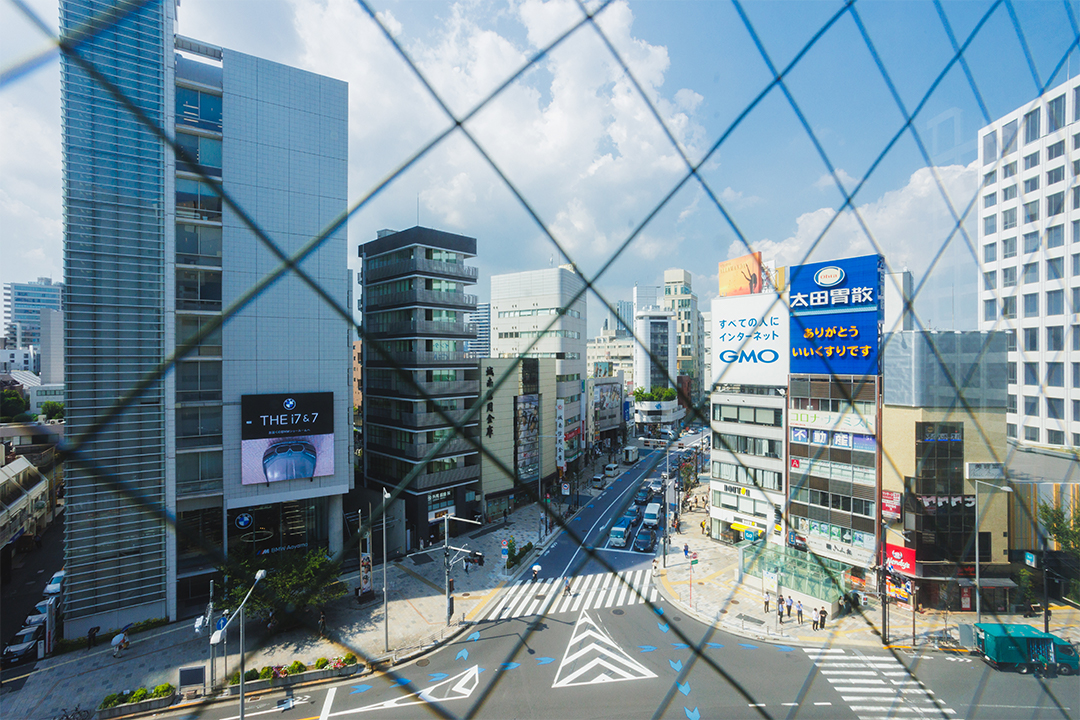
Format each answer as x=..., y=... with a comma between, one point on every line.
x=253, y=674
x=265, y=674
x=111, y=700
x=321, y=663
x=234, y=679
x=139, y=695
x=297, y=667
x=349, y=659
x=166, y=689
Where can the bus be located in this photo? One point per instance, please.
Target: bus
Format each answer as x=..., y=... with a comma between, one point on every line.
x=629, y=455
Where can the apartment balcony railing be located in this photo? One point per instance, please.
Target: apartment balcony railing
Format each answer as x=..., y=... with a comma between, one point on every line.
x=417, y=420
x=422, y=297
x=374, y=328
x=419, y=451
x=398, y=386
x=421, y=358
x=456, y=271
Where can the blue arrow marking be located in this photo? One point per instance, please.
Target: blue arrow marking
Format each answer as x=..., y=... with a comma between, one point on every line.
x=662, y=626
x=659, y=611
x=646, y=648
x=576, y=519
x=748, y=646
x=681, y=646
x=401, y=681
x=714, y=646
x=510, y=665
x=590, y=505
x=474, y=637
x=692, y=714
x=676, y=665
x=360, y=689
x=545, y=661
x=784, y=648
x=435, y=677
x=462, y=655
x=684, y=688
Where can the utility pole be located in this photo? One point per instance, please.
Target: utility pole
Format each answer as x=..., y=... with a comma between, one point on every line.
x=446, y=548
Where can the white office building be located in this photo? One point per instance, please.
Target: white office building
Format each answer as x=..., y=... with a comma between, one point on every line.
x=1029, y=233
x=680, y=298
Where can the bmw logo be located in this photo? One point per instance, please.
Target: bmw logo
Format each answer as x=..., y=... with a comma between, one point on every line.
x=243, y=520
x=289, y=403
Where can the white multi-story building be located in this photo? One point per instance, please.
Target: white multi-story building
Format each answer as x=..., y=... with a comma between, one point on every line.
x=23, y=303
x=608, y=355
x=680, y=298
x=706, y=344
x=541, y=314
x=481, y=318
x=1029, y=231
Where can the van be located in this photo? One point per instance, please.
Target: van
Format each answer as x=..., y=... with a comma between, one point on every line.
x=611, y=470
x=598, y=481
x=629, y=455
x=652, y=515
x=619, y=534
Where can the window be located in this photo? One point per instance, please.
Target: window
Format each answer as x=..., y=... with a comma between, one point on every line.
x=1010, y=403
x=990, y=178
x=1031, y=273
x=1055, y=204
x=990, y=147
x=1007, y=171
x=1055, y=408
x=1008, y=218
x=1008, y=193
x=1076, y=231
x=1031, y=161
x=1056, y=175
x=1031, y=211
x=198, y=290
x=195, y=152
x=1031, y=242
x=1031, y=339
x=1031, y=184
x=1076, y=197
x=1055, y=303
x=1031, y=305
x=195, y=199
x=1076, y=163
x=198, y=427
x=1076, y=105
x=1008, y=247
x=1010, y=430
x=1055, y=437
x=1055, y=374
x=1008, y=307
x=1076, y=384
x=1076, y=341
x=198, y=245
x=989, y=310
x=1055, y=114
x=990, y=200
x=1031, y=406
x=1055, y=236
x=198, y=109
x=1031, y=434
x=990, y=280
x=1076, y=268
x=1055, y=338
x=989, y=224
x=1076, y=299
x=1010, y=341
x=1055, y=269
x=1031, y=373
x=1031, y=127
x=990, y=252
x=1055, y=151
x=1008, y=277
x=1008, y=138
x=1010, y=372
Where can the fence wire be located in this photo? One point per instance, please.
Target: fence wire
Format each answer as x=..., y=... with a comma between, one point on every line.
x=779, y=82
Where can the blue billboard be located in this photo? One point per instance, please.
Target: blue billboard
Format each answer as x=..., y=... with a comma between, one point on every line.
x=836, y=313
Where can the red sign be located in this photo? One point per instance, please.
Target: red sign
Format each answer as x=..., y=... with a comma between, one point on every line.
x=901, y=559
x=795, y=462
x=890, y=504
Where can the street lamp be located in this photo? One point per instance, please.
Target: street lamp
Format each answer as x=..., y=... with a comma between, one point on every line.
x=219, y=634
x=385, y=604
x=978, y=587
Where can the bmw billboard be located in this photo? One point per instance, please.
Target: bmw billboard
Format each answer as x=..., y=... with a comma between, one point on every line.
x=286, y=437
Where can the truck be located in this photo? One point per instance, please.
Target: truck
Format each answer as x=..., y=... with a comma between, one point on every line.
x=619, y=535
x=1020, y=647
x=629, y=455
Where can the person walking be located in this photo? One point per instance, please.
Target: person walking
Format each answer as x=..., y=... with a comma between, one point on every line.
x=790, y=602
x=824, y=614
x=814, y=616
x=798, y=611
x=767, y=598
x=686, y=550
x=322, y=624
x=566, y=588
x=779, y=612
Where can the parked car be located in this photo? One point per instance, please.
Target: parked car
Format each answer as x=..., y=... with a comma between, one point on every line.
x=645, y=541
x=22, y=647
x=55, y=586
x=38, y=615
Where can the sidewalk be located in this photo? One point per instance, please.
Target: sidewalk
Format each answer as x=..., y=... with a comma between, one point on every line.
x=718, y=598
x=417, y=621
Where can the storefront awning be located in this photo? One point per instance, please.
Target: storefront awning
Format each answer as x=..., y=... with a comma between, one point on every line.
x=988, y=582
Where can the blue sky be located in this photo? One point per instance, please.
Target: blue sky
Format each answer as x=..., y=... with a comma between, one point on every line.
x=578, y=142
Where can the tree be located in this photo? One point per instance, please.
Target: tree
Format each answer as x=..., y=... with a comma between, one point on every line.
x=295, y=581
x=1061, y=521
x=11, y=404
x=53, y=410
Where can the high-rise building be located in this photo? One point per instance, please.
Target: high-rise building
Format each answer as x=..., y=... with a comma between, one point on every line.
x=706, y=354
x=1030, y=280
x=620, y=319
x=23, y=303
x=655, y=349
x=541, y=314
x=680, y=298
x=481, y=318
x=246, y=442
x=52, y=347
x=418, y=380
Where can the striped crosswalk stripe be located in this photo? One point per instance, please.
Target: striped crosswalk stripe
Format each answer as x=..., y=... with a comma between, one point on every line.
x=587, y=592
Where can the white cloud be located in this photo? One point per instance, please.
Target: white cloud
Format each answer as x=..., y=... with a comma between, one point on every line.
x=827, y=181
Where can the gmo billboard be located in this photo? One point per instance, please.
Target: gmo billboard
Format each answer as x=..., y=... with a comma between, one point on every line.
x=750, y=339
x=286, y=437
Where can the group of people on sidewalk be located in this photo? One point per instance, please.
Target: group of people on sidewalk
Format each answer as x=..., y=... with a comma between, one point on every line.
x=786, y=604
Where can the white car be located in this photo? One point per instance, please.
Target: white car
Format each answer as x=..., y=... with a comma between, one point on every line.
x=37, y=617
x=55, y=586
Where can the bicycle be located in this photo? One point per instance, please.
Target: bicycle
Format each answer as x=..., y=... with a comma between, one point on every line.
x=76, y=714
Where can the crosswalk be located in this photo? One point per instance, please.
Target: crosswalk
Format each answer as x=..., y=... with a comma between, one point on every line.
x=587, y=592
x=877, y=687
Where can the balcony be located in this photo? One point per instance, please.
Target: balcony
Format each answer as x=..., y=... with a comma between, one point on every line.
x=453, y=271
x=422, y=297
x=420, y=451
x=399, y=386
x=419, y=328
x=421, y=359
x=417, y=420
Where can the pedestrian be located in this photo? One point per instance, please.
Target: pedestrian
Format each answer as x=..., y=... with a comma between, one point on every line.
x=37, y=540
x=767, y=598
x=467, y=563
x=789, y=604
x=824, y=614
x=686, y=550
x=798, y=611
x=779, y=612
x=814, y=616
x=91, y=636
x=322, y=624
x=504, y=515
x=654, y=565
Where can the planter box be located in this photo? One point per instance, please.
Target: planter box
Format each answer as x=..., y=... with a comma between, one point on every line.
x=137, y=707
x=308, y=676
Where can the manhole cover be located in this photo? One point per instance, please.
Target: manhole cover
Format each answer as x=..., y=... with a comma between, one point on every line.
x=701, y=582
x=464, y=594
x=723, y=612
x=616, y=611
x=676, y=619
x=734, y=602
x=422, y=662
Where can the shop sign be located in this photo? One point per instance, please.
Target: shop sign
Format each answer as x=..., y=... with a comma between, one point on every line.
x=984, y=471
x=965, y=598
x=560, y=434
x=890, y=504
x=932, y=502
x=436, y=515
x=849, y=421
x=900, y=559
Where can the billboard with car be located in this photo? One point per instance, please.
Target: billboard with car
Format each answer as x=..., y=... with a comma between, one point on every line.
x=288, y=436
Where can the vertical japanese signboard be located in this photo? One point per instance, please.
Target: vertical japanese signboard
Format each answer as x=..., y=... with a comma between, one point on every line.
x=560, y=434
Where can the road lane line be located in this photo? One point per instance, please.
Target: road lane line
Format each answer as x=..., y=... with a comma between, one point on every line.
x=327, y=703
x=626, y=586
